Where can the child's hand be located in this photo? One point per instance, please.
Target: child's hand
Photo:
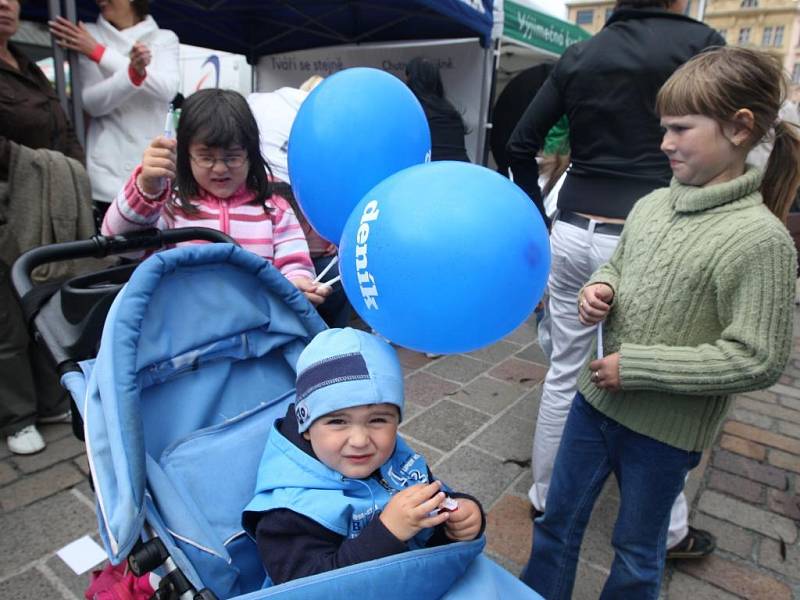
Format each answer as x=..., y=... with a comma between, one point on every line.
x=407, y=512
x=315, y=292
x=605, y=372
x=594, y=303
x=465, y=522
x=158, y=164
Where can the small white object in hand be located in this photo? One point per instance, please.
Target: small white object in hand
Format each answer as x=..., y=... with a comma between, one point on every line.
x=449, y=504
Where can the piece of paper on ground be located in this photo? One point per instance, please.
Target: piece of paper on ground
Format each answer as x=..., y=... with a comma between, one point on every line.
x=82, y=554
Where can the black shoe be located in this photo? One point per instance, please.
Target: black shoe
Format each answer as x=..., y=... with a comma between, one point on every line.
x=697, y=544
x=535, y=513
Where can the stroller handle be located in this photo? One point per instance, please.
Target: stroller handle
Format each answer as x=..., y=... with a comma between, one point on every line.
x=100, y=246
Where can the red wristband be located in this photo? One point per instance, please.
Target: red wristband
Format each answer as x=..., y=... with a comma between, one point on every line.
x=97, y=53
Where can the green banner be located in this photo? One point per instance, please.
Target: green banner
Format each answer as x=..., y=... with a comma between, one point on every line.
x=533, y=28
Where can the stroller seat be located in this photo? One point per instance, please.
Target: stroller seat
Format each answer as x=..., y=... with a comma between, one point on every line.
x=197, y=360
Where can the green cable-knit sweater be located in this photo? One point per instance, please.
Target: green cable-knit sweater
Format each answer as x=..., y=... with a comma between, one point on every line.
x=703, y=283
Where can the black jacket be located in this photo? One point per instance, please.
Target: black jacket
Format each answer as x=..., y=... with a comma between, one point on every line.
x=607, y=87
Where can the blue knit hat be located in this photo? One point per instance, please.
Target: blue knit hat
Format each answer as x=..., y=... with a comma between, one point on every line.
x=342, y=368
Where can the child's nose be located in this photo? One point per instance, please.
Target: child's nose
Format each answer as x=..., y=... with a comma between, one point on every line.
x=359, y=437
x=219, y=166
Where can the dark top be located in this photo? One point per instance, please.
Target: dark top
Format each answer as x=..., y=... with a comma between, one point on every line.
x=447, y=134
x=293, y=546
x=607, y=87
x=30, y=114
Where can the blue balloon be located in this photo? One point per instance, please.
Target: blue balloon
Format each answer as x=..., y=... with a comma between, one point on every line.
x=355, y=129
x=444, y=257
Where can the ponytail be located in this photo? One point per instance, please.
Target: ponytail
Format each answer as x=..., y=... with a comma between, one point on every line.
x=782, y=175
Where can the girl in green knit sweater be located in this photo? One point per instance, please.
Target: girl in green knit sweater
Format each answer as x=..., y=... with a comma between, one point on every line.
x=697, y=302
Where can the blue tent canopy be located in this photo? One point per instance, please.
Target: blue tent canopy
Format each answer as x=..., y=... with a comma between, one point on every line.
x=259, y=27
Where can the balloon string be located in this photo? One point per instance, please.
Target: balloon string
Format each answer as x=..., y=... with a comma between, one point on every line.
x=331, y=281
x=326, y=269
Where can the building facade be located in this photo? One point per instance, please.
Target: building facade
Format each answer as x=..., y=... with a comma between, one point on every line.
x=593, y=14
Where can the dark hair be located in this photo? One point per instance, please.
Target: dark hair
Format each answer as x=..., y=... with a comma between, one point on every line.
x=141, y=8
x=720, y=82
x=643, y=4
x=423, y=78
x=218, y=118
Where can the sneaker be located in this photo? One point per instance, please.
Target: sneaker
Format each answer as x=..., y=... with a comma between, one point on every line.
x=26, y=441
x=697, y=544
x=65, y=417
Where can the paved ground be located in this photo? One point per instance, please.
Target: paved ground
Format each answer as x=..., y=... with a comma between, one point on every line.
x=473, y=416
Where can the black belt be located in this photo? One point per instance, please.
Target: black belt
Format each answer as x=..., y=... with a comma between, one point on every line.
x=582, y=222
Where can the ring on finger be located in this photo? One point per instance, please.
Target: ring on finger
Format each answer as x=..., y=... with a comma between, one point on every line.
x=596, y=375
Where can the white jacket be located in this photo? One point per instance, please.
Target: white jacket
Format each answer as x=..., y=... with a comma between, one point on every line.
x=124, y=117
x=275, y=113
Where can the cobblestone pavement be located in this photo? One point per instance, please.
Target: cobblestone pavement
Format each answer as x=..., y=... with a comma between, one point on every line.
x=473, y=416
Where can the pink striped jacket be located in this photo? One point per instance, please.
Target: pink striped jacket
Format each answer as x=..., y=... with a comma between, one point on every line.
x=276, y=236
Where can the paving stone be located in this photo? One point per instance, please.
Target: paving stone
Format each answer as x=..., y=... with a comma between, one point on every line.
x=431, y=455
x=769, y=556
x=524, y=334
x=589, y=581
x=736, y=578
x=784, y=460
x=82, y=462
x=736, y=486
x=55, y=431
x=77, y=584
x=506, y=533
x=683, y=586
x=39, y=485
x=752, y=418
x=425, y=389
x=445, y=425
x=527, y=407
x=784, y=503
x=533, y=353
x=739, y=465
x=27, y=585
x=474, y=472
x=791, y=429
x=748, y=516
x=596, y=545
x=488, y=395
x=779, y=388
x=743, y=447
x=458, y=367
x=519, y=371
x=55, y=452
x=523, y=483
x=495, y=353
x=790, y=402
x=39, y=529
x=763, y=395
x=696, y=477
x=730, y=537
x=772, y=410
x=411, y=359
x=761, y=436
x=509, y=437
x=7, y=472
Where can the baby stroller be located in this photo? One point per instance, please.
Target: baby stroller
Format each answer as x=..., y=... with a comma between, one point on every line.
x=197, y=359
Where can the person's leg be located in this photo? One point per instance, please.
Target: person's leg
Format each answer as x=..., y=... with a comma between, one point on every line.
x=574, y=258
x=17, y=390
x=650, y=474
x=581, y=467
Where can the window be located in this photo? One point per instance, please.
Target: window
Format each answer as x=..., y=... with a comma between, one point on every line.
x=744, y=35
x=766, y=39
x=609, y=12
x=779, y=36
x=796, y=73
x=749, y=3
x=584, y=17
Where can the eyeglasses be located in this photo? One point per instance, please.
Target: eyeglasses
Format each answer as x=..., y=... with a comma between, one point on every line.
x=232, y=161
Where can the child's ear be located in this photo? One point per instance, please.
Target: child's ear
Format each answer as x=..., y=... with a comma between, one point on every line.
x=740, y=128
x=306, y=436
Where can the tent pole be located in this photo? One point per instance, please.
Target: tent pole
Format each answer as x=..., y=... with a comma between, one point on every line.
x=75, y=80
x=491, y=58
x=54, y=9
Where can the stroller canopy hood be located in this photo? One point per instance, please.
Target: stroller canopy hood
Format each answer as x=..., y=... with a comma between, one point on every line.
x=192, y=309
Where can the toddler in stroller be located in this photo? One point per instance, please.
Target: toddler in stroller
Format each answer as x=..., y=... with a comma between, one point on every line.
x=197, y=361
x=336, y=485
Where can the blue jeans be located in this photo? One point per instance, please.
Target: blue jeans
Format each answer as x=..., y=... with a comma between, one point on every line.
x=650, y=475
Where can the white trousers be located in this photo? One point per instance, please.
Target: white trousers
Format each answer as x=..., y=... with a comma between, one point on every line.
x=576, y=254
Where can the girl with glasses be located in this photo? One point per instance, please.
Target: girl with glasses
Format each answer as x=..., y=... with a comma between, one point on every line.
x=213, y=176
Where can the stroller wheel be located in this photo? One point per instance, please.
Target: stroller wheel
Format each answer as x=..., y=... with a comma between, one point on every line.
x=147, y=556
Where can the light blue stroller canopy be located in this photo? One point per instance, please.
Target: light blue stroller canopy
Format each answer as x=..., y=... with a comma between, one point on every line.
x=197, y=360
